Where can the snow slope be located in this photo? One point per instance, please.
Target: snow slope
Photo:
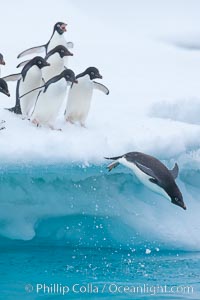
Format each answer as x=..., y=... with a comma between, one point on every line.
x=130, y=43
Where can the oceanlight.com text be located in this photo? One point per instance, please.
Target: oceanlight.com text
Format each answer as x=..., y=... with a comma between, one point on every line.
x=106, y=288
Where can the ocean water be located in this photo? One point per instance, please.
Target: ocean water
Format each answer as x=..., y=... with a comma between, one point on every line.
x=78, y=232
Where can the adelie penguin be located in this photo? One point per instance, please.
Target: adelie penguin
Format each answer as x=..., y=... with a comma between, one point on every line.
x=29, y=79
x=56, y=59
x=57, y=38
x=2, y=62
x=4, y=90
x=80, y=95
x=153, y=174
x=50, y=99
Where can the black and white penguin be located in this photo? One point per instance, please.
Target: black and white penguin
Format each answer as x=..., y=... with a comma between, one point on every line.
x=57, y=38
x=57, y=60
x=29, y=79
x=2, y=62
x=50, y=99
x=80, y=95
x=153, y=174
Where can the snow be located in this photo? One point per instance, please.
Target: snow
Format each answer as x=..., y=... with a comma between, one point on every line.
x=141, y=49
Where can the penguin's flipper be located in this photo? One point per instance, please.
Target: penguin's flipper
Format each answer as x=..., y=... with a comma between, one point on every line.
x=175, y=171
x=101, y=87
x=32, y=50
x=23, y=63
x=17, y=108
x=39, y=89
x=147, y=171
x=12, y=77
x=70, y=45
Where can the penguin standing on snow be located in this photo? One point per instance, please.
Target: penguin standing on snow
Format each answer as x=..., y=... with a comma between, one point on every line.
x=57, y=38
x=29, y=79
x=2, y=62
x=51, y=97
x=4, y=90
x=80, y=96
x=55, y=58
x=153, y=174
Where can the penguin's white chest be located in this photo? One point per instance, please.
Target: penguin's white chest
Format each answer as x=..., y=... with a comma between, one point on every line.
x=79, y=99
x=55, y=68
x=33, y=79
x=144, y=178
x=57, y=39
x=50, y=102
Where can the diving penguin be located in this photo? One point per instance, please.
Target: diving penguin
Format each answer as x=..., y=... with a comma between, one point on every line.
x=153, y=174
x=80, y=95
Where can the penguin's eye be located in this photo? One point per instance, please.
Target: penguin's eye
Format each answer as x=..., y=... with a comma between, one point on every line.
x=39, y=62
x=62, y=51
x=92, y=73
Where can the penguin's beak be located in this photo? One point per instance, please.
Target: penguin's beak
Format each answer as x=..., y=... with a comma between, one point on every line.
x=69, y=53
x=75, y=81
x=184, y=207
x=6, y=93
x=99, y=76
x=179, y=203
x=63, y=27
x=2, y=62
x=47, y=64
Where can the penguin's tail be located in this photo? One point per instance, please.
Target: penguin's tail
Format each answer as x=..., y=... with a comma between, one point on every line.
x=15, y=109
x=114, y=164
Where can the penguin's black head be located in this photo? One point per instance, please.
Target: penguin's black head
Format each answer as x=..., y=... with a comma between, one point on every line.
x=60, y=27
x=61, y=50
x=2, y=61
x=92, y=72
x=177, y=199
x=69, y=76
x=39, y=61
x=4, y=87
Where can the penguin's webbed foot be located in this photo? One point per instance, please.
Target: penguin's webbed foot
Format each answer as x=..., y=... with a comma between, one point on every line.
x=53, y=128
x=2, y=121
x=35, y=122
x=2, y=128
x=69, y=120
